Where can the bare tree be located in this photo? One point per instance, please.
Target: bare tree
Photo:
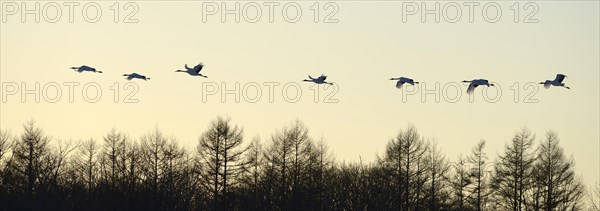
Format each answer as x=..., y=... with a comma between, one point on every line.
x=594, y=198
x=5, y=146
x=393, y=160
x=479, y=172
x=132, y=157
x=404, y=154
x=220, y=151
x=321, y=170
x=438, y=172
x=278, y=156
x=254, y=159
x=113, y=153
x=30, y=154
x=151, y=147
x=560, y=188
x=460, y=182
x=514, y=170
x=88, y=164
x=57, y=160
x=297, y=135
x=173, y=184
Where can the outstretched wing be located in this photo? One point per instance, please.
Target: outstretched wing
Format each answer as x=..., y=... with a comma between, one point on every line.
x=546, y=85
x=198, y=67
x=560, y=78
x=399, y=84
x=471, y=88
x=478, y=82
x=322, y=77
x=85, y=68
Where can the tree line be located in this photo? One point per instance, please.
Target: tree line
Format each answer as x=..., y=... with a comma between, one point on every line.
x=290, y=170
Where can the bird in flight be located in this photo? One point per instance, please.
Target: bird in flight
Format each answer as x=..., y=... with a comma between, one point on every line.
x=558, y=81
x=403, y=80
x=135, y=75
x=319, y=80
x=193, y=71
x=85, y=68
x=476, y=82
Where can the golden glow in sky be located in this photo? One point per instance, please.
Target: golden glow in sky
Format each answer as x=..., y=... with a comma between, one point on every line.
x=257, y=56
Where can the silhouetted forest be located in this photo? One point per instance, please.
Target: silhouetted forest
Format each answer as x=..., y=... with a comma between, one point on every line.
x=290, y=170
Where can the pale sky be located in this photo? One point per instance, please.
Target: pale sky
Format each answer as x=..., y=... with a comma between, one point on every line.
x=369, y=45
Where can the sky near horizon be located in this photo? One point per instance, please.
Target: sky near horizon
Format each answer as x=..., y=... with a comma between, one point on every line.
x=369, y=44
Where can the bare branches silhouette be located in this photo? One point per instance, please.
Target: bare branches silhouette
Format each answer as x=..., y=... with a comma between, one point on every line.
x=290, y=170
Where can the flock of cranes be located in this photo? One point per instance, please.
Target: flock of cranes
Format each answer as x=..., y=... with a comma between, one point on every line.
x=195, y=71
x=191, y=71
x=558, y=81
